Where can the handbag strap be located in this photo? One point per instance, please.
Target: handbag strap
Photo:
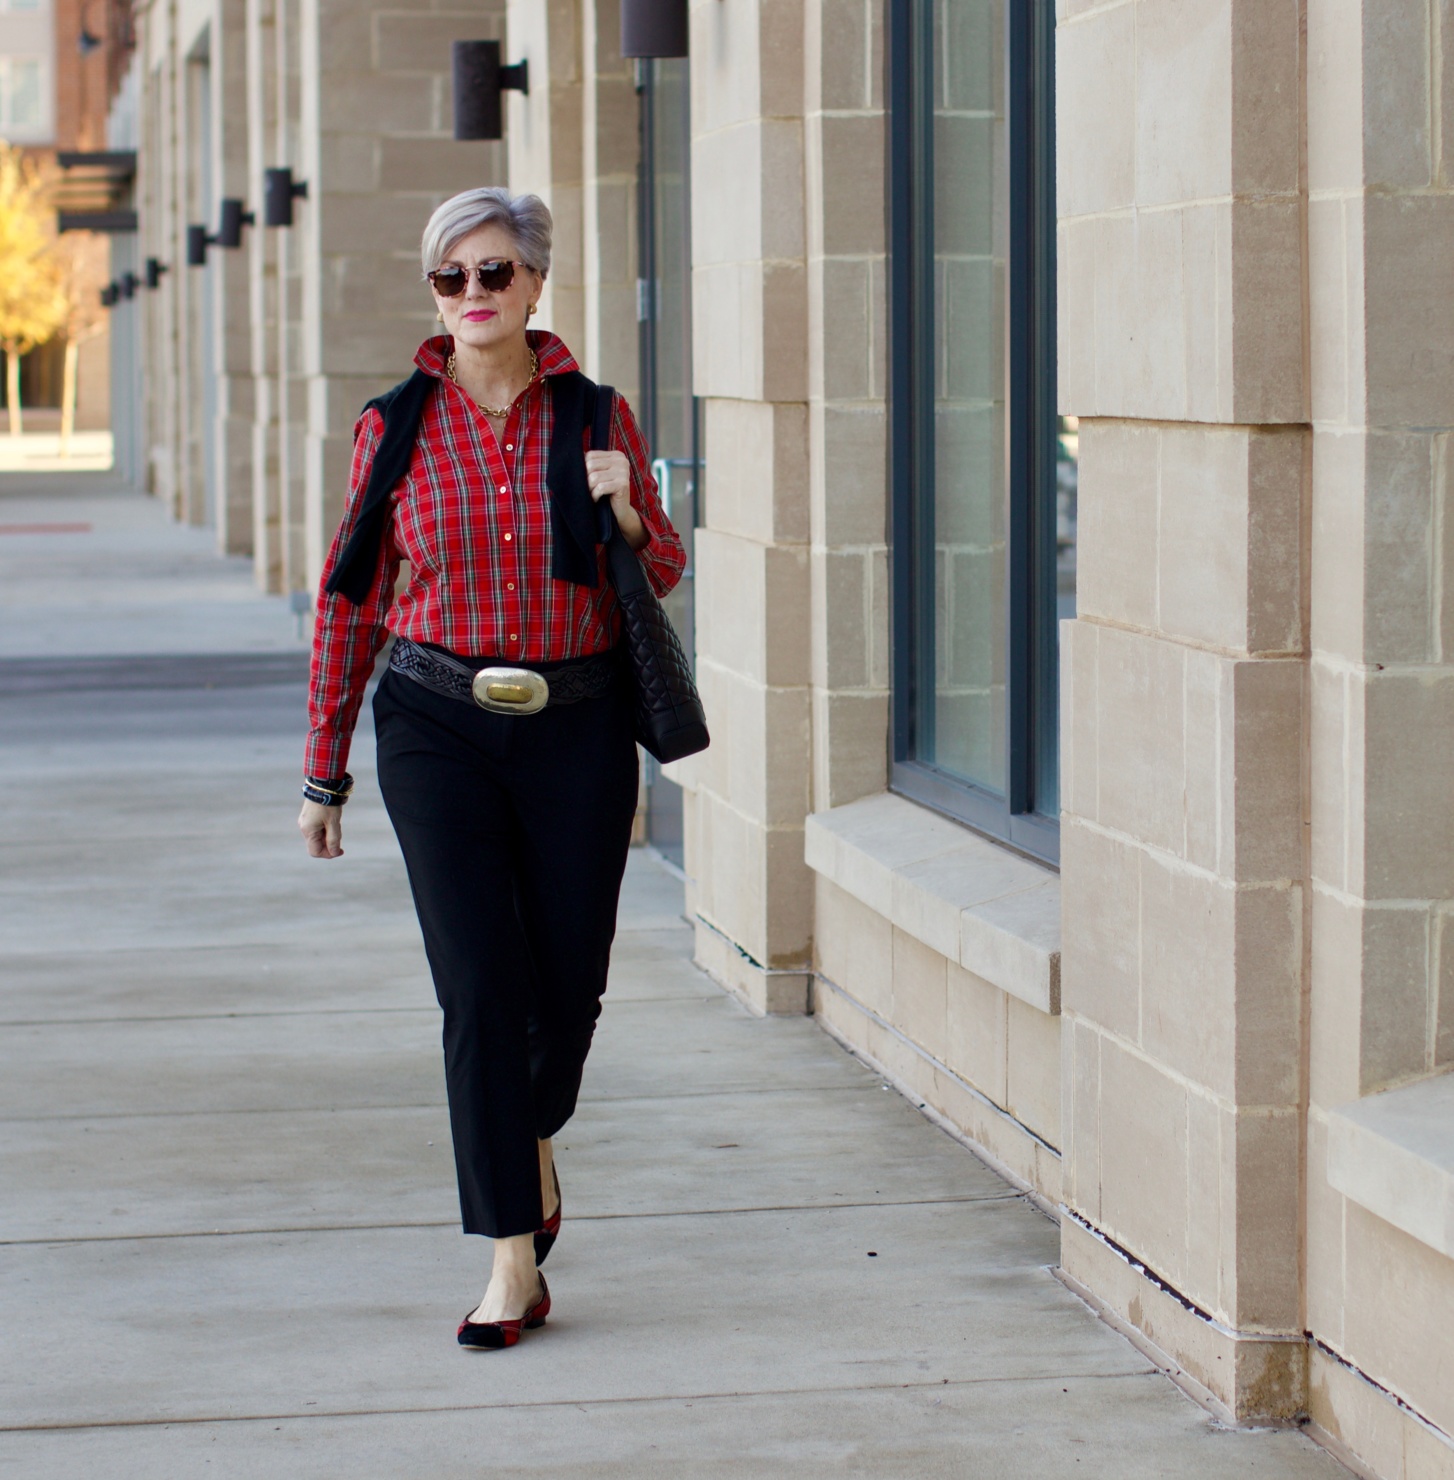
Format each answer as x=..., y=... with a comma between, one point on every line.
x=601, y=412
x=627, y=576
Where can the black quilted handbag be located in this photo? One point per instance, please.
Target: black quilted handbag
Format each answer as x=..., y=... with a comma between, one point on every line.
x=669, y=720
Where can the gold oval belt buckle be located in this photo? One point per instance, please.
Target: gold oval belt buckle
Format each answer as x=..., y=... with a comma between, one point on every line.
x=510, y=690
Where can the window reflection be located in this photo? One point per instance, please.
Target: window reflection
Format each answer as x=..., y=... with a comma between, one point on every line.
x=967, y=732
x=1067, y=483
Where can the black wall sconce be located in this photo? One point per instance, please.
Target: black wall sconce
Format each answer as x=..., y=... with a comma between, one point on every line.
x=198, y=240
x=479, y=79
x=654, y=28
x=280, y=190
x=230, y=221
x=88, y=41
x=109, y=294
x=129, y=283
x=154, y=271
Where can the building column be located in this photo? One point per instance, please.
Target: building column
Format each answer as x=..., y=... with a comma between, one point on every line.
x=546, y=142
x=610, y=348
x=1183, y=676
x=198, y=194
x=292, y=306
x=263, y=257
x=847, y=421
x=1381, y=723
x=163, y=222
x=232, y=360
x=751, y=891
x=154, y=239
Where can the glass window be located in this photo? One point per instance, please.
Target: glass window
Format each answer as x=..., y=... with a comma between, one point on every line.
x=962, y=714
x=21, y=102
x=983, y=471
x=24, y=102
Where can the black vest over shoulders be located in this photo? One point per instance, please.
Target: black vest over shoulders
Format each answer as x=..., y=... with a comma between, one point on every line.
x=573, y=521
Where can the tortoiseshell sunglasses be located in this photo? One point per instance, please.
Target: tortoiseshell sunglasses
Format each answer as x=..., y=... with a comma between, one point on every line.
x=494, y=277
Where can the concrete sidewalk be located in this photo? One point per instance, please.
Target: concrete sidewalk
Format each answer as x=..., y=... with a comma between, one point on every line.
x=229, y=1228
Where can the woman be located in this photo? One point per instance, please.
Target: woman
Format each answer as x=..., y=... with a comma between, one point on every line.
x=514, y=824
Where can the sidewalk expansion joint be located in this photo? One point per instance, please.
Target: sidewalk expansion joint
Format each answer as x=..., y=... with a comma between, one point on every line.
x=732, y=1395
x=212, y=1017
x=64, y=1241
x=699, y=1094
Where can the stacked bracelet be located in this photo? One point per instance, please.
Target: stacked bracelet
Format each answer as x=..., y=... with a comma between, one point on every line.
x=328, y=793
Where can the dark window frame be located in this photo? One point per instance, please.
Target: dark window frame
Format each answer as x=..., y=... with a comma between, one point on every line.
x=1031, y=668
x=664, y=798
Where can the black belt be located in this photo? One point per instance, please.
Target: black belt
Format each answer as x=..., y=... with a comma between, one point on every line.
x=500, y=688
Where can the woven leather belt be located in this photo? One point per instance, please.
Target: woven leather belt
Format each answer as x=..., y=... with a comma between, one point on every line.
x=504, y=689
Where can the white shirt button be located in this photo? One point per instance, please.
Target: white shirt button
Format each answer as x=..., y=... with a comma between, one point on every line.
x=514, y=637
x=509, y=536
x=504, y=488
x=509, y=447
x=509, y=585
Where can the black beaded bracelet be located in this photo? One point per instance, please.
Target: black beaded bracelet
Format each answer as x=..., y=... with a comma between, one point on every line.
x=328, y=793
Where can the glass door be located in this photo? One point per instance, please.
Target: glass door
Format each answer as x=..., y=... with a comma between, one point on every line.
x=669, y=412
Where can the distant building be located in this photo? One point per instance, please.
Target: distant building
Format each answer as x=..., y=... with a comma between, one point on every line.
x=27, y=72
x=60, y=64
x=1060, y=399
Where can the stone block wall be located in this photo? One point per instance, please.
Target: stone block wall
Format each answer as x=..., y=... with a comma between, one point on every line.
x=846, y=434
x=256, y=367
x=232, y=438
x=173, y=190
x=609, y=348
x=547, y=145
x=748, y=795
x=1381, y=717
x=1183, y=677
x=264, y=107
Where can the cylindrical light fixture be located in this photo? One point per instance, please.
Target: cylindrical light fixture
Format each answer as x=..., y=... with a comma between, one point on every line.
x=109, y=295
x=230, y=221
x=479, y=79
x=197, y=244
x=654, y=28
x=128, y=284
x=280, y=190
x=154, y=270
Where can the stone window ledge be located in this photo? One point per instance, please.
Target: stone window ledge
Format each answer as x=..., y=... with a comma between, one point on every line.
x=1394, y=1155
x=995, y=913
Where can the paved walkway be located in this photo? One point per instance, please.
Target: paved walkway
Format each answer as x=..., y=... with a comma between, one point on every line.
x=228, y=1234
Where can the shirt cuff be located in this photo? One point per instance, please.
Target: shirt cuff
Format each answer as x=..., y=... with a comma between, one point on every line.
x=326, y=756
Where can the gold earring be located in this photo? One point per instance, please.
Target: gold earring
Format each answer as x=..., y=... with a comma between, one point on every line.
x=534, y=309
x=440, y=315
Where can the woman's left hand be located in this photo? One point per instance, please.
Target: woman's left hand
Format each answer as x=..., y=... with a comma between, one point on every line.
x=608, y=475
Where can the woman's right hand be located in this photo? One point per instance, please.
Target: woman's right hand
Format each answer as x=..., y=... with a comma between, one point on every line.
x=322, y=829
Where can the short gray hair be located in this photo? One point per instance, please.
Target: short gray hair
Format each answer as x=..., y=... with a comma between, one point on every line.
x=525, y=217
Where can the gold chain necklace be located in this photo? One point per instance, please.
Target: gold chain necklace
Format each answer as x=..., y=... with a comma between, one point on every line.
x=502, y=413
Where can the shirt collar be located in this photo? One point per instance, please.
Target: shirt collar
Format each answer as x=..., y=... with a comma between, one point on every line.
x=550, y=349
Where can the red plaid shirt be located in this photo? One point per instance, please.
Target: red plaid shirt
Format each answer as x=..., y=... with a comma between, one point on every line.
x=472, y=518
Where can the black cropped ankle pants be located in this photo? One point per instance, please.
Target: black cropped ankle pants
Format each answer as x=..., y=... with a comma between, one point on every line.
x=515, y=830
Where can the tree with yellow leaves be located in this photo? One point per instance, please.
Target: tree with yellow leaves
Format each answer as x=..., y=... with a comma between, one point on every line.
x=32, y=296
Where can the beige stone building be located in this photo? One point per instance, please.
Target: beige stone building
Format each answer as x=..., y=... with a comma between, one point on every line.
x=1061, y=398
x=60, y=62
